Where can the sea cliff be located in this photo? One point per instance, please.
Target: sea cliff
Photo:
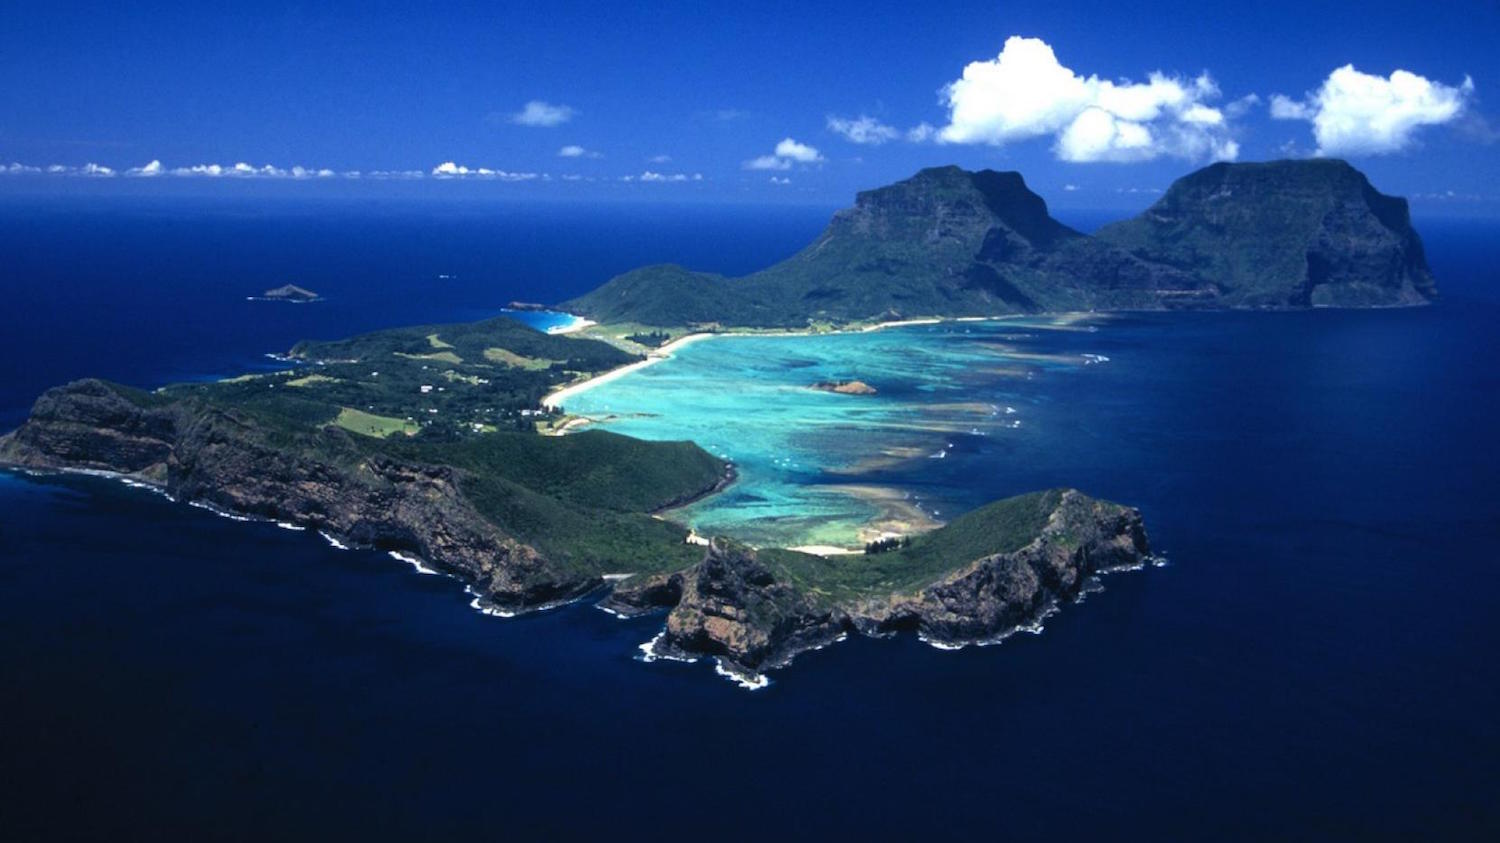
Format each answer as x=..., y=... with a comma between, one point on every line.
x=1001, y=567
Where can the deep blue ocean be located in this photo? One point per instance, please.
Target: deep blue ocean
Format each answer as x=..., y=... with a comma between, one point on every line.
x=1317, y=660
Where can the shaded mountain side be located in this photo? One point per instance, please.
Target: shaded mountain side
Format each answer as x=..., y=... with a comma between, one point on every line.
x=946, y=242
x=949, y=242
x=1284, y=234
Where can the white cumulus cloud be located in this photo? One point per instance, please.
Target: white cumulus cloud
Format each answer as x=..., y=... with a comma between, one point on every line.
x=799, y=152
x=768, y=162
x=1356, y=113
x=155, y=168
x=863, y=129
x=451, y=170
x=787, y=153
x=669, y=177
x=573, y=150
x=1025, y=92
x=542, y=114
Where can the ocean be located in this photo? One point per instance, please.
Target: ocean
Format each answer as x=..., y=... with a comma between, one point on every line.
x=1314, y=661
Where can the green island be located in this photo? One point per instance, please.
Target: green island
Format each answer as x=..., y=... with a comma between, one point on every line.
x=439, y=441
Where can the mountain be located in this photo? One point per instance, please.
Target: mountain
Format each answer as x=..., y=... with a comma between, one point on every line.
x=945, y=242
x=949, y=242
x=1284, y=234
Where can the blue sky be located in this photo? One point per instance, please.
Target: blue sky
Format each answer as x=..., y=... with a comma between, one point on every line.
x=1098, y=104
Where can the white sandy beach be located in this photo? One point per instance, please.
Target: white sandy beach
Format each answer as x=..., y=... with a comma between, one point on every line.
x=826, y=550
x=578, y=324
x=558, y=398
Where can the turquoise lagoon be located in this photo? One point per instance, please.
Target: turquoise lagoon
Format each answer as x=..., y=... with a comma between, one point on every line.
x=825, y=469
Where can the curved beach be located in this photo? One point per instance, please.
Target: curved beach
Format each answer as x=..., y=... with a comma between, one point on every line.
x=557, y=398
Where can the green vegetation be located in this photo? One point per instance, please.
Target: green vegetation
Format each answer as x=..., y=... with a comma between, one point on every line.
x=1284, y=234
x=516, y=361
x=450, y=381
x=948, y=242
x=886, y=544
x=583, y=499
x=309, y=380
x=368, y=424
x=461, y=396
x=439, y=356
x=945, y=242
x=654, y=339
x=591, y=469
x=663, y=295
x=467, y=341
x=1000, y=527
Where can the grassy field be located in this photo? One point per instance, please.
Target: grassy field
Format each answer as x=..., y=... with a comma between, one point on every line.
x=509, y=358
x=439, y=356
x=368, y=424
x=310, y=380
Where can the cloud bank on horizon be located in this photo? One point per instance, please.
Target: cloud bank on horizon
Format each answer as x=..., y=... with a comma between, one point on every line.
x=1024, y=94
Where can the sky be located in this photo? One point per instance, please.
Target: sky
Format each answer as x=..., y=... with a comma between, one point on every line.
x=1098, y=104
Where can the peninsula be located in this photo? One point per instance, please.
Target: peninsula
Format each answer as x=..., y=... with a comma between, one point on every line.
x=423, y=440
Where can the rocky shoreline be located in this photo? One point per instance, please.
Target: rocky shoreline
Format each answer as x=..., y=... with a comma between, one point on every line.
x=731, y=605
x=736, y=608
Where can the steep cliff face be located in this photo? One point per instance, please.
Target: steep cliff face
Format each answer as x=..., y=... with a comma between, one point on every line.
x=987, y=572
x=1284, y=234
x=752, y=614
x=949, y=242
x=316, y=479
x=733, y=606
x=943, y=242
x=92, y=425
x=991, y=595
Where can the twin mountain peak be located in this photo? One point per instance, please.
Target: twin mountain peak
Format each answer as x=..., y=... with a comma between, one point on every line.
x=950, y=242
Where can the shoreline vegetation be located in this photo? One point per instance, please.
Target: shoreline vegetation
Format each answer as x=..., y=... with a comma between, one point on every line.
x=531, y=521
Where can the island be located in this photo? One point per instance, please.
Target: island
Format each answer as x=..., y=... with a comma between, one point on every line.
x=424, y=440
x=288, y=293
